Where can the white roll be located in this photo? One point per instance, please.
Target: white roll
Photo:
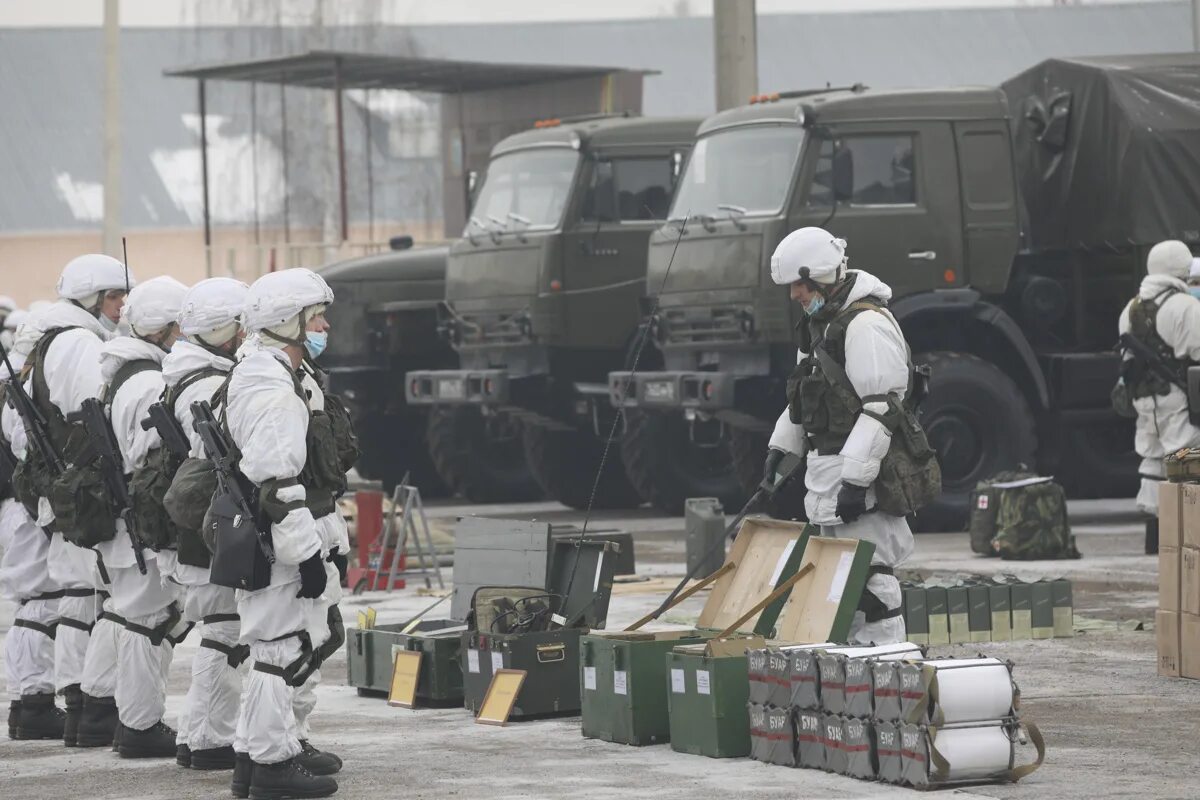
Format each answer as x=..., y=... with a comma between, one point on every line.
x=968, y=690
x=974, y=753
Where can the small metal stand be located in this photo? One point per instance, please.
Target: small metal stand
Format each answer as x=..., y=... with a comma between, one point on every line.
x=412, y=520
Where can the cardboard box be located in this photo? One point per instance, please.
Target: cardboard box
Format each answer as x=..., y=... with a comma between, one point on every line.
x=980, y=614
x=958, y=604
x=1001, y=600
x=1189, y=645
x=1166, y=631
x=939, y=617
x=1042, y=618
x=1168, y=578
x=1064, y=609
x=1170, y=514
x=1190, y=535
x=1189, y=580
x=1022, y=610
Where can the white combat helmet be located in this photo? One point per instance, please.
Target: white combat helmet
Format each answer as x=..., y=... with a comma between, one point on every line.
x=84, y=277
x=153, y=305
x=277, y=300
x=1171, y=257
x=7, y=303
x=211, y=309
x=15, y=318
x=812, y=254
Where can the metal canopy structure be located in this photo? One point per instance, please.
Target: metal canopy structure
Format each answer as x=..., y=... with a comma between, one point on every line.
x=339, y=70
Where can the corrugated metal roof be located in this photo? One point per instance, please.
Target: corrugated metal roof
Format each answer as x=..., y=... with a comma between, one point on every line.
x=51, y=95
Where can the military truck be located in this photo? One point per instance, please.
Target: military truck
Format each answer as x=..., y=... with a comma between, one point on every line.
x=542, y=299
x=384, y=322
x=1012, y=224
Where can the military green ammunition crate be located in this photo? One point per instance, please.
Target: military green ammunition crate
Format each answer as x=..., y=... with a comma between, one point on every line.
x=624, y=679
x=371, y=653
x=708, y=717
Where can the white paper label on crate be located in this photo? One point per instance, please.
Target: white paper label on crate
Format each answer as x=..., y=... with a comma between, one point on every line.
x=702, y=681
x=779, y=565
x=620, y=681
x=599, y=569
x=677, y=683
x=589, y=678
x=840, y=575
x=497, y=661
x=472, y=660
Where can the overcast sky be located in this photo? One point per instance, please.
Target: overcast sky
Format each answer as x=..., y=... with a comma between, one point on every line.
x=150, y=13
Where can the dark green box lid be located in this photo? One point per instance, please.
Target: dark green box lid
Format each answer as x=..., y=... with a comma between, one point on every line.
x=1043, y=605
x=1061, y=590
x=1022, y=596
x=980, y=615
x=916, y=615
x=935, y=600
x=1001, y=597
x=957, y=600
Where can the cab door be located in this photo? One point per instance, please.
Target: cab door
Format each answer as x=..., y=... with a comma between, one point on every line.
x=891, y=191
x=604, y=251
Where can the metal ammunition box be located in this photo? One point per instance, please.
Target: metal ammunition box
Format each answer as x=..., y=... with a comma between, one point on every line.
x=371, y=655
x=939, y=618
x=1042, y=619
x=916, y=615
x=1064, y=611
x=1001, y=602
x=958, y=606
x=1022, y=610
x=708, y=718
x=980, y=613
x=625, y=679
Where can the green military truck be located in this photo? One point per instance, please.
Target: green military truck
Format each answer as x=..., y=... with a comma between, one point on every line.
x=1012, y=224
x=384, y=322
x=543, y=300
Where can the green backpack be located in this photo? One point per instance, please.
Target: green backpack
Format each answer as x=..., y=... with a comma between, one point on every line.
x=985, y=505
x=1031, y=521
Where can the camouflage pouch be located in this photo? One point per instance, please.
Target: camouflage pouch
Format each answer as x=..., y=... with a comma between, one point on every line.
x=909, y=475
x=322, y=476
x=1031, y=522
x=148, y=487
x=83, y=509
x=24, y=485
x=186, y=502
x=343, y=433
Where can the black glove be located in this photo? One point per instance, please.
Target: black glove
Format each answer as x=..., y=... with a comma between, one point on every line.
x=312, y=577
x=774, y=456
x=852, y=502
x=341, y=562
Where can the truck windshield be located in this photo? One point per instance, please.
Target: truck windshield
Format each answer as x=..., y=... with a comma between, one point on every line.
x=747, y=168
x=527, y=189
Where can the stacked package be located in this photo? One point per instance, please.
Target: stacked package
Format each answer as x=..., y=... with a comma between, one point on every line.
x=1177, y=621
x=998, y=608
x=886, y=713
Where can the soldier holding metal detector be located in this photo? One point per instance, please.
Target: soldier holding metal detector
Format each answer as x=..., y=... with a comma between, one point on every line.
x=851, y=404
x=277, y=534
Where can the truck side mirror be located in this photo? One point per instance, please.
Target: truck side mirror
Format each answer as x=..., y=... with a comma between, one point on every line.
x=403, y=242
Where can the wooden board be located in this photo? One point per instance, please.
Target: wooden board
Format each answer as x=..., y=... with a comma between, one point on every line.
x=501, y=696
x=760, y=550
x=820, y=601
x=405, y=670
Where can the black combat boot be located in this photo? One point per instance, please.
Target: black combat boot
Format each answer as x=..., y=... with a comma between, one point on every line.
x=157, y=741
x=73, y=699
x=243, y=771
x=318, y=762
x=1152, y=537
x=98, y=723
x=183, y=755
x=40, y=718
x=213, y=758
x=14, y=714
x=288, y=779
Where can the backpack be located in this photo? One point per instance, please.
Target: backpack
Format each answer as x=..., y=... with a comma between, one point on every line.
x=84, y=508
x=1031, y=521
x=984, y=505
x=186, y=502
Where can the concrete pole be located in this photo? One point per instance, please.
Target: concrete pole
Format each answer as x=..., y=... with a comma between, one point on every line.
x=112, y=129
x=1196, y=25
x=735, y=40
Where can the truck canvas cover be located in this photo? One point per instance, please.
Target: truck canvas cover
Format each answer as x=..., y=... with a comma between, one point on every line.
x=1108, y=149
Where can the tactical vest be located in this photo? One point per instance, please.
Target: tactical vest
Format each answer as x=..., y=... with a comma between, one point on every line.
x=1143, y=324
x=822, y=399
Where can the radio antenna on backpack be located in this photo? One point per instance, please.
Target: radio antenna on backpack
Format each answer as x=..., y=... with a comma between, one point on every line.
x=125, y=261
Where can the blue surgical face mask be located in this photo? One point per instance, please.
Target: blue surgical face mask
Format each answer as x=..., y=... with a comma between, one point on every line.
x=107, y=323
x=816, y=305
x=1194, y=291
x=315, y=343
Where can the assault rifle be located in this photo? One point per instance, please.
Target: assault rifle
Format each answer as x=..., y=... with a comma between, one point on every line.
x=174, y=438
x=37, y=430
x=241, y=559
x=1151, y=360
x=112, y=466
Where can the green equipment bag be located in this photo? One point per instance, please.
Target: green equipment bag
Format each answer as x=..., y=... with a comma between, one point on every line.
x=984, y=505
x=147, y=488
x=186, y=502
x=1184, y=465
x=1031, y=521
x=83, y=507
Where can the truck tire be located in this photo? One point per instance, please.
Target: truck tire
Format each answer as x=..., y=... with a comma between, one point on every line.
x=749, y=451
x=1097, y=460
x=667, y=468
x=479, y=468
x=564, y=464
x=979, y=423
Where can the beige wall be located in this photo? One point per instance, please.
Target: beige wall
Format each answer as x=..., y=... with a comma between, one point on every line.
x=30, y=263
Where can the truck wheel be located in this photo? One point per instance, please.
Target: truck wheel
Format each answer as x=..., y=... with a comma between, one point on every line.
x=475, y=462
x=667, y=467
x=979, y=423
x=1097, y=460
x=564, y=463
x=749, y=450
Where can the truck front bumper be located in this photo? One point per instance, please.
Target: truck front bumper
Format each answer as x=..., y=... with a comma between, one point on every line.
x=462, y=387
x=700, y=391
